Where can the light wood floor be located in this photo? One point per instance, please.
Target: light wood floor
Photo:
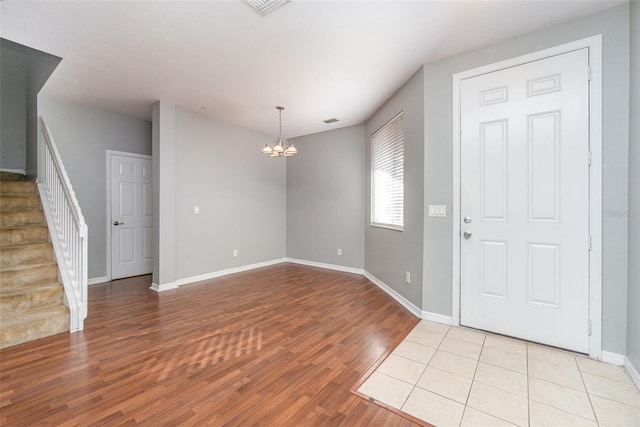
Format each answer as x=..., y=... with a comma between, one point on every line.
x=277, y=346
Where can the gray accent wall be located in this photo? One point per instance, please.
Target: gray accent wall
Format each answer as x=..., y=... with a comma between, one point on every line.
x=13, y=113
x=613, y=24
x=633, y=311
x=241, y=194
x=83, y=135
x=390, y=253
x=23, y=72
x=325, y=198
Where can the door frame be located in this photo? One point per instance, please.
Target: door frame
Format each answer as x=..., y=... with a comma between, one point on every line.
x=594, y=44
x=111, y=153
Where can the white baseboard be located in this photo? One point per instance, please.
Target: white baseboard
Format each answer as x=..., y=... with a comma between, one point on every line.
x=327, y=266
x=395, y=295
x=165, y=287
x=97, y=280
x=435, y=317
x=633, y=372
x=212, y=275
x=613, y=358
x=19, y=171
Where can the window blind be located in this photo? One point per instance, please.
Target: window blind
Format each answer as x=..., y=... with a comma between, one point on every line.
x=387, y=183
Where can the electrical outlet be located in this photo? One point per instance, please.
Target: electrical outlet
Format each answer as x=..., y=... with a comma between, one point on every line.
x=196, y=210
x=235, y=253
x=407, y=277
x=339, y=252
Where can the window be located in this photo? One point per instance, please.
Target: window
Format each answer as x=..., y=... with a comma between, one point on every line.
x=387, y=182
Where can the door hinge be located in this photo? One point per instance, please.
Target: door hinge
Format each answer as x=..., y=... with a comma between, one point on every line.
x=589, y=74
x=589, y=327
x=589, y=158
x=589, y=242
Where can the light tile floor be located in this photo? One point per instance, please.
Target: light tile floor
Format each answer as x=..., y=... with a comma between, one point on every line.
x=451, y=376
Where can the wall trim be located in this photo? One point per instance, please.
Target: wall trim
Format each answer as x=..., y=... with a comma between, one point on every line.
x=18, y=171
x=395, y=295
x=613, y=358
x=633, y=372
x=326, y=266
x=594, y=44
x=213, y=275
x=162, y=288
x=436, y=317
x=97, y=280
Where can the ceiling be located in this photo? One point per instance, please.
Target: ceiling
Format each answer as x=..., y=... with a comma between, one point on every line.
x=319, y=59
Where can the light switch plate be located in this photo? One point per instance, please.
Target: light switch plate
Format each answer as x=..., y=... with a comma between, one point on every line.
x=196, y=210
x=439, y=211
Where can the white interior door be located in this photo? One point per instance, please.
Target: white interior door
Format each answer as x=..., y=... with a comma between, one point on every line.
x=524, y=201
x=131, y=216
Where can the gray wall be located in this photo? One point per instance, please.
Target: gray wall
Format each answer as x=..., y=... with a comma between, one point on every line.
x=23, y=72
x=13, y=104
x=83, y=134
x=40, y=65
x=613, y=24
x=325, y=198
x=241, y=194
x=633, y=311
x=390, y=253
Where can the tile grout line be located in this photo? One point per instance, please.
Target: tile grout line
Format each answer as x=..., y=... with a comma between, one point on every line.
x=425, y=367
x=584, y=384
x=526, y=355
x=473, y=380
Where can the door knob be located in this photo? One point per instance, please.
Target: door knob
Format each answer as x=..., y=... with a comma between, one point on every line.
x=118, y=223
x=466, y=234
x=467, y=219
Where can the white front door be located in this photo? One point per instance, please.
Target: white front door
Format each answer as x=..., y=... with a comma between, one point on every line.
x=524, y=201
x=131, y=215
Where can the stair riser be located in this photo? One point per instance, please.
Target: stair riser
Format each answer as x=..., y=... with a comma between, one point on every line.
x=31, y=276
x=23, y=236
x=28, y=298
x=20, y=219
x=32, y=330
x=17, y=255
x=19, y=203
x=17, y=188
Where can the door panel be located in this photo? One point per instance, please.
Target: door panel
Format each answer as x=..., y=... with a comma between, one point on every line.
x=131, y=216
x=525, y=188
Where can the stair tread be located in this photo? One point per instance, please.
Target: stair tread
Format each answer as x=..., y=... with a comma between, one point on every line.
x=19, y=227
x=20, y=203
x=15, y=290
x=33, y=314
x=19, y=210
x=28, y=266
x=25, y=245
x=26, y=254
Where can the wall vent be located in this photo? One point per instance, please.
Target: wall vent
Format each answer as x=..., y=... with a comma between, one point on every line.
x=263, y=7
x=329, y=121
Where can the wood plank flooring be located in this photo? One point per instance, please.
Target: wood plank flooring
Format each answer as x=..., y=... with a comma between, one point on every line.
x=276, y=346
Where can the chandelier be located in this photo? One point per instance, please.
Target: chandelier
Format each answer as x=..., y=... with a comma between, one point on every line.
x=282, y=147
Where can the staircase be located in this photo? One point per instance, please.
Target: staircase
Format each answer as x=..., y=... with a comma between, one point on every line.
x=31, y=299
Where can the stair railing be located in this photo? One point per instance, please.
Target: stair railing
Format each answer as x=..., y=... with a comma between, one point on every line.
x=67, y=227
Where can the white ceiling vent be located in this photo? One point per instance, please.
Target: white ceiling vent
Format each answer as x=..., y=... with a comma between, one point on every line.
x=263, y=7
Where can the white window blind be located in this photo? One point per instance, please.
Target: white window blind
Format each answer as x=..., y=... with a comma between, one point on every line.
x=387, y=183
